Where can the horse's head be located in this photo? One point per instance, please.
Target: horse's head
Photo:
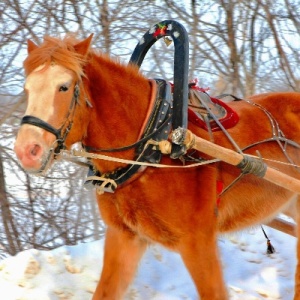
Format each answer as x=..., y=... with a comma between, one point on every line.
x=53, y=118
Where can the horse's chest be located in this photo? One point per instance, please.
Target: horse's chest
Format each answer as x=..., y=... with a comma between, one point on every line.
x=139, y=218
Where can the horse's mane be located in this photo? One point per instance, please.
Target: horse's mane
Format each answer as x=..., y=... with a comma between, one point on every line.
x=55, y=50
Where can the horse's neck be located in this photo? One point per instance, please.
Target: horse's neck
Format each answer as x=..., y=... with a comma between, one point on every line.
x=120, y=98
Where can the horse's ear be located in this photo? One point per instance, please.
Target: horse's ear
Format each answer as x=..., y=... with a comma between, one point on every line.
x=31, y=46
x=84, y=46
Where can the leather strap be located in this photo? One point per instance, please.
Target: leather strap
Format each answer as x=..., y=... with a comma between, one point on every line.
x=31, y=120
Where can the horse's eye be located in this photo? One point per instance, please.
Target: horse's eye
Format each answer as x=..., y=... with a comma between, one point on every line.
x=63, y=88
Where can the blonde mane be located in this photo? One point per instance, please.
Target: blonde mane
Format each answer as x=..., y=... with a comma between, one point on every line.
x=54, y=50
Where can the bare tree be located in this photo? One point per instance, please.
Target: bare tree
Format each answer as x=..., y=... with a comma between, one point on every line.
x=12, y=244
x=243, y=47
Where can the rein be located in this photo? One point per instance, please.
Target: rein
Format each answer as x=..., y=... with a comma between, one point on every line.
x=159, y=118
x=134, y=145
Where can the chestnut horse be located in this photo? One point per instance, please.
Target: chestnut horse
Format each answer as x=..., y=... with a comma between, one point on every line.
x=76, y=94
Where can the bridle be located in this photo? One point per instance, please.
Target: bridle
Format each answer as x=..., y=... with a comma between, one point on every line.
x=60, y=133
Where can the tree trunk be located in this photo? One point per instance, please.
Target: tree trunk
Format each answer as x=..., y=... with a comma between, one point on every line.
x=14, y=245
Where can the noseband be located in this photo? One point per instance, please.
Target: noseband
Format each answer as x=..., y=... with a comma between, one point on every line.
x=59, y=134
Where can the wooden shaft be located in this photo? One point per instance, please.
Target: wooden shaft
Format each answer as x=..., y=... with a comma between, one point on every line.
x=229, y=156
x=283, y=226
x=233, y=158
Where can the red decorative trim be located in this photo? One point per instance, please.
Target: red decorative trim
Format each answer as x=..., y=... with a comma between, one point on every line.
x=220, y=187
x=228, y=121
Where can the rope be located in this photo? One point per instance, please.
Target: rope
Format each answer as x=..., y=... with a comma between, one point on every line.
x=82, y=153
x=252, y=165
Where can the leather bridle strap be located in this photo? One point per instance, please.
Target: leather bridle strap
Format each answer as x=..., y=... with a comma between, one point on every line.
x=31, y=120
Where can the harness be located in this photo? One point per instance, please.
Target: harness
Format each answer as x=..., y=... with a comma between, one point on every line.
x=157, y=128
x=169, y=111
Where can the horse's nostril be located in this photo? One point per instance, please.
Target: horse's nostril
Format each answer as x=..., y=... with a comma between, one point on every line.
x=29, y=156
x=35, y=150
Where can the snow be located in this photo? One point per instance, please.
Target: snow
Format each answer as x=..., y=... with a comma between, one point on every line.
x=72, y=272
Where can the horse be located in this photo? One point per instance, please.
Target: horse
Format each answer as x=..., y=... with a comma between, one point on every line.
x=76, y=94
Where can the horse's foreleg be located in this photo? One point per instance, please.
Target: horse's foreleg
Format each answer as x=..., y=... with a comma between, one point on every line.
x=202, y=260
x=297, y=276
x=122, y=252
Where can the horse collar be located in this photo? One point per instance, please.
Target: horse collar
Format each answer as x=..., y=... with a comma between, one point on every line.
x=157, y=127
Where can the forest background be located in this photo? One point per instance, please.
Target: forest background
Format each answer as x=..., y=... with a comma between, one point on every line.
x=238, y=47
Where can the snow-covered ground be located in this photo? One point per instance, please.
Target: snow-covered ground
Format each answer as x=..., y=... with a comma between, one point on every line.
x=72, y=272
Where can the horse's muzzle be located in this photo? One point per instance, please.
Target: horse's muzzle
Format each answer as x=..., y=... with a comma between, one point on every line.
x=34, y=155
